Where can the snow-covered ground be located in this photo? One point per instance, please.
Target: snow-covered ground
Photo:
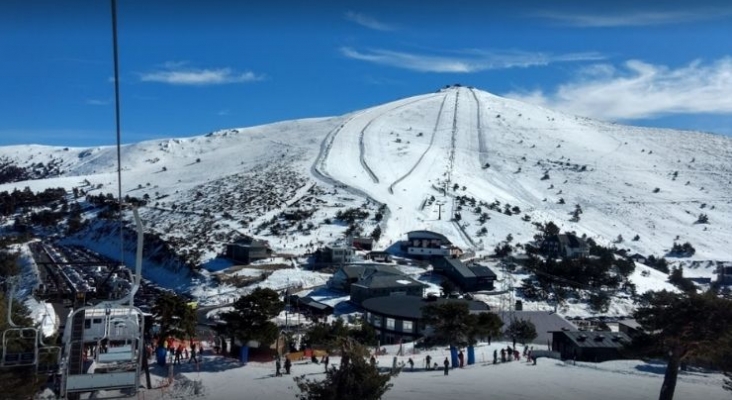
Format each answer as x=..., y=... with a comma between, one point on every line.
x=225, y=379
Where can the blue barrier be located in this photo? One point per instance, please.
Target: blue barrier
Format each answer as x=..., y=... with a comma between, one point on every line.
x=244, y=354
x=161, y=354
x=454, y=356
x=471, y=355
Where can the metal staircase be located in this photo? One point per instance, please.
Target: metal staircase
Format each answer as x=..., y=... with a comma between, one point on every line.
x=76, y=352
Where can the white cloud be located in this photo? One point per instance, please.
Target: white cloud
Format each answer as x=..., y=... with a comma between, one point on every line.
x=465, y=61
x=640, y=90
x=223, y=112
x=98, y=102
x=178, y=73
x=368, y=21
x=635, y=18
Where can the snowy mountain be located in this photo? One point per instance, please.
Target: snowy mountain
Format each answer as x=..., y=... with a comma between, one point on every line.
x=456, y=151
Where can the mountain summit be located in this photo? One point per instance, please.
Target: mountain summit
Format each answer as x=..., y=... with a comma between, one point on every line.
x=462, y=162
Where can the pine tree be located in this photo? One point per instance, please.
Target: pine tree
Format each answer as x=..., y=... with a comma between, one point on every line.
x=175, y=316
x=521, y=330
x=376, y=234
x=355, y=378
x=250, y=318
x=681, y=326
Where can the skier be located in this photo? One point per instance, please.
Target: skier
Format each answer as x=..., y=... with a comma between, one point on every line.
x=447, y=366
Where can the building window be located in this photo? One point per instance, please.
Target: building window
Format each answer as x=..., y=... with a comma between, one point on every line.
x=407, y=326
x=390, y=323
x=377, y=321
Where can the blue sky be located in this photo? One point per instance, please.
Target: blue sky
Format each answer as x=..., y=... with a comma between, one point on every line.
x=192, y=67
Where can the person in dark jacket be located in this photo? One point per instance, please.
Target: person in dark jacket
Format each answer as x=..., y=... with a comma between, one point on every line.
x=447, y=366
x=326, y=361
x=288, y=365
x=461, y=359
x=428, y=359
x=193, y=353
x=495, y=356
x=278, y=365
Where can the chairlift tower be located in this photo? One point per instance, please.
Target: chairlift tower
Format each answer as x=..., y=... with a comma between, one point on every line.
x=508, y=298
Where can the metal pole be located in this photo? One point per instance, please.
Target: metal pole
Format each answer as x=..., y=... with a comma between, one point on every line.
x=117, y=123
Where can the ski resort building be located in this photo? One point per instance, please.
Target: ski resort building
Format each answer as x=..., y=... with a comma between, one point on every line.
x=335, y=255
x=247, y=250
x=429, y=244
x=379, y=284
x=565, y=245
x=400, y=319
x=470, y=278
x=589, y=346
x=350, y=274
x=363, y=243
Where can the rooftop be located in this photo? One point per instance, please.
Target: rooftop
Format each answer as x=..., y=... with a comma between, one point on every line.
x=379, y=279
x=544, y=322
x=597, y=339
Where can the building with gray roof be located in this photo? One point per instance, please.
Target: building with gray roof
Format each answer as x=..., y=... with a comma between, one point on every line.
x=400, y=317
x=544, y=321
x=589, y=346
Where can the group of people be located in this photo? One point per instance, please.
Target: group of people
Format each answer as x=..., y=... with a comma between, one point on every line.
x=181, y=352
x=509, y=354
x=278, y=366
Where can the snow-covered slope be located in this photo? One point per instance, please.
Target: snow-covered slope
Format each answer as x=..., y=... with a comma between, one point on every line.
x=481, y=148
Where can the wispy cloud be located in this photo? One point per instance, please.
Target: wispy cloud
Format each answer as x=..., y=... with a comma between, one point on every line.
x=368, y=21
x=179, y=73
x=98, y=102
x=465, y=61
x=224, y=112
x=641, y=90
x=635, y=18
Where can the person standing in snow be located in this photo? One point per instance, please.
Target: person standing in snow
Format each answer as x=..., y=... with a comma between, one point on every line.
x=373, y=361
x=288, y=365
x=428, y=359
x=411, y=364
x=461, y=359
x=326, y=361
x=178, y=354
x=503, y=355
x=278, y=365
x=447, y=366
x=495, y=356
x=193, y=353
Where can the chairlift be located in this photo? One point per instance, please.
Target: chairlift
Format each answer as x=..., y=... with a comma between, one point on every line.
x=29, y=339
x=121, y=322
